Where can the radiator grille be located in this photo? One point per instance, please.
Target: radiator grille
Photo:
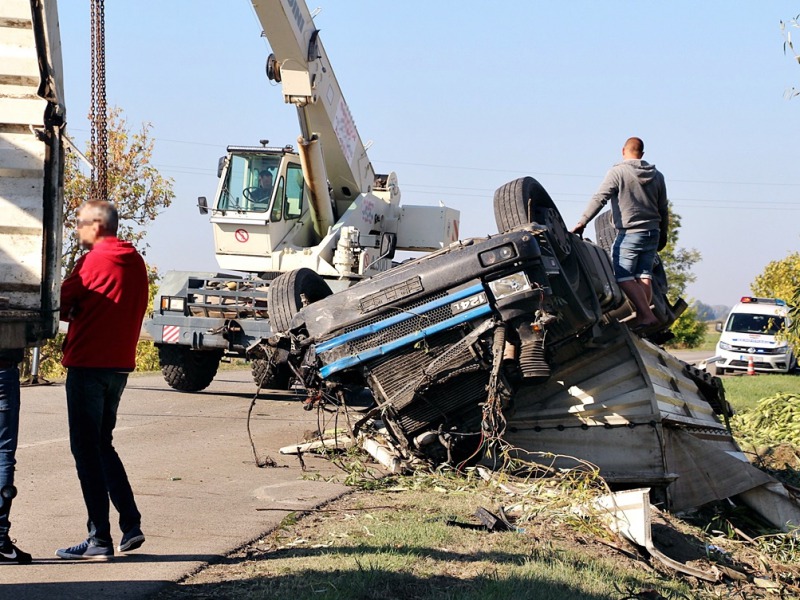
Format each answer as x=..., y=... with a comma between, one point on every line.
x=459, y=381
x=446, y=404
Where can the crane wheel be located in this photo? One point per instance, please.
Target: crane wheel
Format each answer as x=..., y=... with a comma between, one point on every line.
x=188, y=370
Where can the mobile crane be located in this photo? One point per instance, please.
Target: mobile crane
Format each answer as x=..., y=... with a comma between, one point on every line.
x=328, y=221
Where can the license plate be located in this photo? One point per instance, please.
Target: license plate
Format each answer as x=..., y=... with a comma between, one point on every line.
x=467, y=303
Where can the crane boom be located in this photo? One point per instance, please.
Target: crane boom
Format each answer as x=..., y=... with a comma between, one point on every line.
x=306, y=75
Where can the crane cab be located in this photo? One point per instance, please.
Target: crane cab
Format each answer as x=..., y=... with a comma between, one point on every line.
x=261, y=200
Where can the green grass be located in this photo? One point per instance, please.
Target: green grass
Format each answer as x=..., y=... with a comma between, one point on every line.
x=744, y=391
x=392, y=545
x=710, y=341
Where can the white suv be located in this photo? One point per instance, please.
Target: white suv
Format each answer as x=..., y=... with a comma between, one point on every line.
x=750, y=331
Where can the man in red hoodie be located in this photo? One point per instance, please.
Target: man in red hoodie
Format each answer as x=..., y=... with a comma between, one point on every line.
x=104, y=300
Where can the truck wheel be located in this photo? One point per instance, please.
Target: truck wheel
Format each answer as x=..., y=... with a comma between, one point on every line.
x=719, y=371
x=188, y=370
x=274, y=377
x=285, y=295
x=605, y=231
x=525, y=201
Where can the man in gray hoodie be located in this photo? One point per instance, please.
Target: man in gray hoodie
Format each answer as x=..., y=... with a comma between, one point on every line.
x=640, y=213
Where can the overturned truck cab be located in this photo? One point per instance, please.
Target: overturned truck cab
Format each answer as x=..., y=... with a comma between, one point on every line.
x=515, y=345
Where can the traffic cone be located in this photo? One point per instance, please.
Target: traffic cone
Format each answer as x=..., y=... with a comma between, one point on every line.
x=751, y=368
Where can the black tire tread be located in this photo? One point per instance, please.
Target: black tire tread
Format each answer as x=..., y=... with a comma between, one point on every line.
x=525, y=200
x=275, y=378
x=285, y=291
x=188, y=370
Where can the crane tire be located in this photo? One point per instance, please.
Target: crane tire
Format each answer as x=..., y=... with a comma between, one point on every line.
x=285, y=295
x=188, y=370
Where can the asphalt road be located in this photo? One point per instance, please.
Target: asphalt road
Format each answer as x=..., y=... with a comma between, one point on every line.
x=191, y=465
x=693, y=357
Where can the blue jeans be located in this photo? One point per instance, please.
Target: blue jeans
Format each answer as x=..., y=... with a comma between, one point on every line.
x=93, y=397
x=634, y=254
x=9, y=433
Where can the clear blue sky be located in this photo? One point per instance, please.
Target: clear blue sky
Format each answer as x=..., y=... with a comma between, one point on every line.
x=461, y=97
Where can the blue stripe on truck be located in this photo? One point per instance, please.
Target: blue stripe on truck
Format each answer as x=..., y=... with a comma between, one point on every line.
x=372, y=353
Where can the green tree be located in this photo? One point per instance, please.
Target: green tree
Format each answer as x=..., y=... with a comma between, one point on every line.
x=139, y=193
x=788, y=46
x=793, y=333
x=781, y=279
x=689, y=331
x=135, y=187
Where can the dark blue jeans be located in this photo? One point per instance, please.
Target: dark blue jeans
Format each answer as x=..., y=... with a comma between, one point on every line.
x=93, y=397
x=9, y=432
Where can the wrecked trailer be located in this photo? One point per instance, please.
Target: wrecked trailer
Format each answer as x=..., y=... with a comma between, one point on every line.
x=515, y=346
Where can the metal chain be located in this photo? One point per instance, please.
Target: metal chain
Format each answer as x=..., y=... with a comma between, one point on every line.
x=98, y=113
x=92, y=106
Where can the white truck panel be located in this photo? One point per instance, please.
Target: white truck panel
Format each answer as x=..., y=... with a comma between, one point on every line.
x=423, y=228
x=31, y=171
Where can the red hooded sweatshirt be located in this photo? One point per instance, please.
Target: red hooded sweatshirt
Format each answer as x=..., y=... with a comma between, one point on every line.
x=104, y=300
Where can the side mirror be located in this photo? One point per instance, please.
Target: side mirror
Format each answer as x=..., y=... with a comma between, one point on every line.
x=718, y=326
x=388, y=245
x=202, y=205
x=220, y=166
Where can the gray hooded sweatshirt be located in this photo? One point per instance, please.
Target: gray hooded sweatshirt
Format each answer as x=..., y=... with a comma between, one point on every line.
x=638, y=197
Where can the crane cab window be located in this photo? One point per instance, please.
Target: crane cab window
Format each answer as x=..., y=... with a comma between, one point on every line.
x=278, y=202
x=295, y=191
x=249, y=183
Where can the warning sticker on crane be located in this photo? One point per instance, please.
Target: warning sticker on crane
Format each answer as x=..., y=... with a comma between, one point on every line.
x=345, y=130
x=170, y=334
x=241, y=235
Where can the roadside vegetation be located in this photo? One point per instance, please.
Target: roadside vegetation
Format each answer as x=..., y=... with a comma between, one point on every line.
x=689, y=330
x=417, y=538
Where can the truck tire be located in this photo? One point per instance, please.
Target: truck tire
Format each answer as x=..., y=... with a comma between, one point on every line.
x=605, y=231
x=285, y=295
x=269, y=377
x=188, y=370
x=525, y=201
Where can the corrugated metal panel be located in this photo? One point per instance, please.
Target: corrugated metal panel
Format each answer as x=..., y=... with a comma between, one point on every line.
x=30, y=171
x=598, y=407
x=677, y=397
x=609, y=406
x=604, y=386
x=709, y=470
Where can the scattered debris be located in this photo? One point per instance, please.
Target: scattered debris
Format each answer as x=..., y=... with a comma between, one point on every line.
x=628, y=513
x=493, y=522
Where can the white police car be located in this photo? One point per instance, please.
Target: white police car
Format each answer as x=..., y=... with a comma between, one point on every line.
x=750, y=331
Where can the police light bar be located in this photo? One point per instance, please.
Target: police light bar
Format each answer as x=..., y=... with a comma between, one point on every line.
x=754, y=300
